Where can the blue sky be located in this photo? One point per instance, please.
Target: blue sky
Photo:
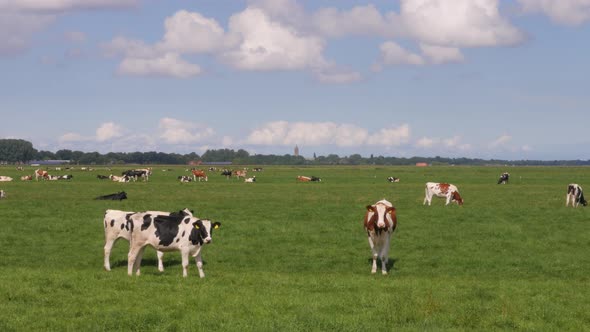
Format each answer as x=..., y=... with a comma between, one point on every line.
x=454, y=78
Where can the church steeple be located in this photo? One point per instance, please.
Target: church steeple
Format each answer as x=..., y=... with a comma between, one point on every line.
x=296, y=150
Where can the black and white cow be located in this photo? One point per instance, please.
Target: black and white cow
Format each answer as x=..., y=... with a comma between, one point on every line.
x=65, y=177
x=117, y=226
x=102, y=177
x=380, y=222
x=392, y=179
x=169, y=233
x=576, y=194
x=184, y=178
x=504, y=178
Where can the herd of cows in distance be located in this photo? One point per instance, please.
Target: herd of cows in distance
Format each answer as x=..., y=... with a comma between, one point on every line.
x=184, y=232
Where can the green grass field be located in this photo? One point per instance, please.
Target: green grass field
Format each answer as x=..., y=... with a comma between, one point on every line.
x=294, y=257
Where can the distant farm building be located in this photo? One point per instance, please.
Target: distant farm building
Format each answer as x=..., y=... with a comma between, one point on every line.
x=49, y=162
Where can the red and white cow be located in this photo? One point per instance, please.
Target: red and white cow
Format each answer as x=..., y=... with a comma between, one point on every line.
x=447, y=190
x=116, y=226
x=240, y=173
x=169, y=233
x=380, y=222
x=302, y=178
x=197, y=173
x=39, y=173
x=576, y=194
x=26, y=178
x=5, y=178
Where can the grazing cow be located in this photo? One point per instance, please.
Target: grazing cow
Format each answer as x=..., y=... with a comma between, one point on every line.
x=392, y=179
x=257, y=169
x=5, y=178
x=449, y=191
x=504, y=178
x=240, y=173
x=121, y=195
x=252, y=179
x=116, y=226
x=169, y=233
x=102, y=177
x=53, y=177
x=2, y=194
x=575, y=193
x=26, y=178
x=197, y=173
x=315, y=179
x=115, y=178
x=134, y=174
x=146, y=172
x=184, y=178
x=226, y=173
x=65, y=177
x=39, y=173
x=380, y=222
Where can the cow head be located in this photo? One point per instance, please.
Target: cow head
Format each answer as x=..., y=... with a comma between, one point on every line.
x=380, y=217
x=202, y=231
x=457, y=198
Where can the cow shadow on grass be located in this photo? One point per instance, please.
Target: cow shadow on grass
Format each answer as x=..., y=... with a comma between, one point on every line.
x=389, y=266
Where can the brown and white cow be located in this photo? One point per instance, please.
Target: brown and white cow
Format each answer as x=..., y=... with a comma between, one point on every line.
x=186, y=234
x=26, y=178
x=116, y=226
x=240, y=173
x=201, y=175
x=576, y=194
x=449, y=191
x=39, y=173
x=302, y=178
x=380, y=222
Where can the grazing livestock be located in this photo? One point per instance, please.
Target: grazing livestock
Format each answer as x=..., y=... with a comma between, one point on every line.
x=116, y=226
x=227, y=173
x=169, y=233
x=65, y=177
x=576, y=194
x=53, y=177
x=146, y=172
x=252, y=179
x=380, y=222
x=102, y=177
x=26, y=178
x=504, y=178
x=302, y=178
x=115, y=178
x=5, y=178
x=449, y=191
x=39, y=173
x=240, y=173
x=121, y=195
x=184, y=178
x=197, y=173
x=2, y=194
x=133, y=174
x=392, y=179
x=257, y=169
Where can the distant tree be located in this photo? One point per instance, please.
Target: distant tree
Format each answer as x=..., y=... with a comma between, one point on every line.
x=16, y=150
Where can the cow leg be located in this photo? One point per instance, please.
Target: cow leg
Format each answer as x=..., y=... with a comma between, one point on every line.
x=199, y=262
x=567, y=200
x=107, y=253
x=134, y=259
x=374, y=266
x=160, y=261
x=184, y=253
x=138, y=261
x=384, y=256
x=448, y=199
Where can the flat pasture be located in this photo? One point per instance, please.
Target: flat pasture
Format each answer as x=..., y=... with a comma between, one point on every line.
x=293, y=256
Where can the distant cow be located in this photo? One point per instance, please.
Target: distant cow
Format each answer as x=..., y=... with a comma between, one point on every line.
x=449, y=191
x=117, y=196
x=116, y=226
x=39, y=173
x=575, y=193
x=392, y=179
x=65, y=177
x=102, y=177
x=169, y=233
x=240, y=173
x=115, y=178
x=53, y=177
x=227, y=173
x=252, y=179
x=2, y=194
x=184, y=178
x=302, y=178
x=26, y=178
x=133, y=174
x=5, y=178
x=380, y=222
x=257, y=169
x=504, y=178
x=201, y=175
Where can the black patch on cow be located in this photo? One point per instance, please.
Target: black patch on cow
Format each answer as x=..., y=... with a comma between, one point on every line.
x=129, y=223
x=122, y=226
x=167, y=228
x=177, y=240
x=147, y=221
x=112, y=222
x=198, y=234
x=117, y=196
x=186, y=221
x=183, y=232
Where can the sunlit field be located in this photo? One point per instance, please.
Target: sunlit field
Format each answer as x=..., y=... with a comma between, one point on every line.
x=293, y=256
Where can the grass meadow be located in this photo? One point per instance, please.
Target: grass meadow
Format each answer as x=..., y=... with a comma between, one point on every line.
x=294, y=256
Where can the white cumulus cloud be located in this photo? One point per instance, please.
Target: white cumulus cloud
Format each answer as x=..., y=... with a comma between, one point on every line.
x=108, y=131
x=169, y=64
x=568, y=12
x=173, y=131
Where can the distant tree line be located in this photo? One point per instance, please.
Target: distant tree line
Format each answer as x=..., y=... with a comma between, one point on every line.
x=15, y=151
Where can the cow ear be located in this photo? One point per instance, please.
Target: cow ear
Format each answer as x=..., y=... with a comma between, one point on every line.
x=370, y=208
x=216, y=225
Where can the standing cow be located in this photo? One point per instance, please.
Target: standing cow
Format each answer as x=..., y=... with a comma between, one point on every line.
x=39, y=173
x=117, y=226
x=200, y=174
x=449, y=191
x=504, y=178
x=380, y=222
x=186, y=234
x=576, y=194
